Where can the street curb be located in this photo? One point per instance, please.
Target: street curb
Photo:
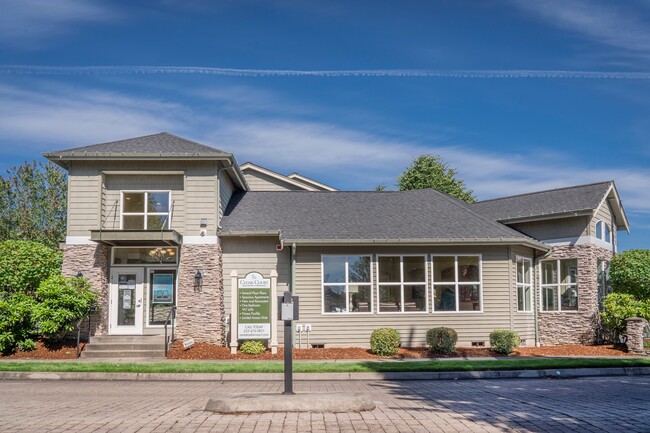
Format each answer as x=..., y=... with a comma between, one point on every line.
x=561, y=373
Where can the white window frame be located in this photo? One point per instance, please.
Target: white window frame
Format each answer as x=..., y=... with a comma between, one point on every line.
x=403, y=283
x=605, y=231
x=144, y=265
x=456, y=283
x=523, y=285
x=347, y=285
x=146, y=213
x=558, y=286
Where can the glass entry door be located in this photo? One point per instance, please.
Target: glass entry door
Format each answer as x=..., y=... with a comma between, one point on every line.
x=126, y=301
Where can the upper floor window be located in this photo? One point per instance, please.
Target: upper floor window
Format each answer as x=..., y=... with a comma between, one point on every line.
x=456, y=283
x=147, y=210
x=402, y=284
x=524, y=284
x=347, y=285
x=603, y=232
x=560, y=285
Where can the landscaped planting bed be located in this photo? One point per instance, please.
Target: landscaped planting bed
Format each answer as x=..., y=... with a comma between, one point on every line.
x=46, y=350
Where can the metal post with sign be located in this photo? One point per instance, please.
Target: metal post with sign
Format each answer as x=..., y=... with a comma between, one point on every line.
x=288, y=312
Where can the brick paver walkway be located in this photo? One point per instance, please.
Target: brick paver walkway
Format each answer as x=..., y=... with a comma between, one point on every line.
x=588, y=404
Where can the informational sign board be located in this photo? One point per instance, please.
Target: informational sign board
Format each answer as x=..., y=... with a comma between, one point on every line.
x=254, y=309
x=163, y=288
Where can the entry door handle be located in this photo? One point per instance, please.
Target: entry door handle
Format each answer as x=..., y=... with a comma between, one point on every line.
x=139, y=303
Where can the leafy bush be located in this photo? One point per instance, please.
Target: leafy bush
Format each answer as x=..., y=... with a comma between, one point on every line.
x=504, y=341
x=27, y=345
x=60, y=303
x=630, y=273
x=252, y=347
x=15, y=320
x=618, y=307
x=24, y=264
x=442, y=340
x=384, y=341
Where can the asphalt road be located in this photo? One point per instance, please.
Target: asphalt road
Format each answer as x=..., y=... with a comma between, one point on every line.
x=599, y=404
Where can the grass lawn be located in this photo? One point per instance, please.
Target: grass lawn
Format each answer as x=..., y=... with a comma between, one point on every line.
x=326, y=367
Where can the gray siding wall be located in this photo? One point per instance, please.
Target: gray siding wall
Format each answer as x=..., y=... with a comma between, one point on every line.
x=226, y=189
x=498, y=291
x=91, y=195
x=555, y=229
x=115, y=184
x=260, y=182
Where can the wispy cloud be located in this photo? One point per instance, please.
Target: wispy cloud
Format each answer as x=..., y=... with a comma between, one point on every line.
x=611, y=23
x=29, y=23
x=396, y=73
x=47, y=116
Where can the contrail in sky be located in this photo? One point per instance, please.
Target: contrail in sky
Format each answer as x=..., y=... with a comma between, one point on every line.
x=232, y=72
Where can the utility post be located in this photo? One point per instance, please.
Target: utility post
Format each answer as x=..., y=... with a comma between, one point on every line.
x=288, y=312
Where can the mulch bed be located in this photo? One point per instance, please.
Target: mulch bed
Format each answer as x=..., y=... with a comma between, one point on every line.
x=210, y=351
x=47, y=350
x=67, y=350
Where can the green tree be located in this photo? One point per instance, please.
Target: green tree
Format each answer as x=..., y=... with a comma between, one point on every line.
x=431, y=171
x=24, y=264
x=630, y=273
x=33, y=203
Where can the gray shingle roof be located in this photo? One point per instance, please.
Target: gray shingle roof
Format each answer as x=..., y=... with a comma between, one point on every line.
x=579, y=198
x=420, y=215
x=161, y=144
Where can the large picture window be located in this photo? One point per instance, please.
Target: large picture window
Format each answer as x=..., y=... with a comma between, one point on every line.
x=145, y=210
x=402, y=282
x=457, y=283
x=347, y=285
x=560, y=285
x=524, y=285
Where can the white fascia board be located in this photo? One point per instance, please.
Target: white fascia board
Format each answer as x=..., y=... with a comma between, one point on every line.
x=308, y=180
x=271, y=173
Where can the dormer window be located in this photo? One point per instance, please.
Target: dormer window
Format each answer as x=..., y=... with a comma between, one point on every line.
x=145, y=210
x=602, y=232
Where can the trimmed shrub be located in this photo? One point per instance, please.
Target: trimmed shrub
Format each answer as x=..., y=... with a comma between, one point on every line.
x=618, y=307
x=60, y=303
x=15, y=320
x=23, y=265
x=252, y=347
x=504, y=341
x=384, y=341
x=630, y=273
x=442, y=340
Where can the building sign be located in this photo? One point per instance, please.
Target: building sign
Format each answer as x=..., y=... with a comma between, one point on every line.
x=163, y=288
x=253, y=302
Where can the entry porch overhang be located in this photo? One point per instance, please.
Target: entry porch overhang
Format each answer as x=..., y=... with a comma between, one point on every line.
x=125, y=238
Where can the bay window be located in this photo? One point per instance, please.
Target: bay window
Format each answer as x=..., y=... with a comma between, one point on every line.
x=524, y=285
x=456, y=283
x=560, y=285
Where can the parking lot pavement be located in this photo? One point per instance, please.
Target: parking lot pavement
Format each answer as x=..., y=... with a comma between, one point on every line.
x=602, y=404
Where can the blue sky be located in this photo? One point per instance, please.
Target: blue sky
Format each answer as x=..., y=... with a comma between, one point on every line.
x=517, y=95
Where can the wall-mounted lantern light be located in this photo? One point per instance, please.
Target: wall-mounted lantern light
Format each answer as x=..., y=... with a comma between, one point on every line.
x=80, y=274
x=198, y=281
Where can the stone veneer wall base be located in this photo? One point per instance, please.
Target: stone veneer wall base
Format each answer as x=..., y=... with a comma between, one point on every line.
x=200, y=314
x=575, y=327
x=93, y=262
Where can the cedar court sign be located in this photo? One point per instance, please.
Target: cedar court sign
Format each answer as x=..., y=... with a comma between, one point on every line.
x=253, y=307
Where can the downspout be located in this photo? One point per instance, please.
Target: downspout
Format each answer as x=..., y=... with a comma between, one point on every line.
x=292, y=287
x=219, y=207
x=535, y=297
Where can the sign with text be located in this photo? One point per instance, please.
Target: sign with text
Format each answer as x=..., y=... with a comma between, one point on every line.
x=253, y=302
x=163, y=288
